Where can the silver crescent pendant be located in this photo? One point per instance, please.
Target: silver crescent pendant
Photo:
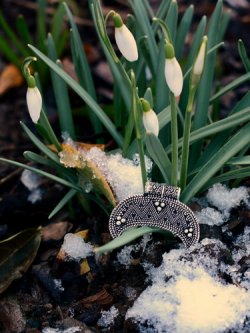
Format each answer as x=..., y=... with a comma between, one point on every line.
x=158, y=207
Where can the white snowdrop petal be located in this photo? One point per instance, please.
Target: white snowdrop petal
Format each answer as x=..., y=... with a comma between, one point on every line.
x=126, y=43
x=199, y=63
x=174, y=76
x=150, y=122
x=34, y=103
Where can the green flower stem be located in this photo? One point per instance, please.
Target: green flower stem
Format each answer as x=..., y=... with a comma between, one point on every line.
x=174, y=136
x=44, y=124
x=185, y=143
x=128, y=134
x=136, y=106
x=164, y=28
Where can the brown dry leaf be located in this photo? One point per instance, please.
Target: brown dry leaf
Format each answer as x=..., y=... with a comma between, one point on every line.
x=85, y=146
x=84, y=267
x=102, y=297
x=55, y=231
x=72, y=157
x=10, y=77
x=83, y=234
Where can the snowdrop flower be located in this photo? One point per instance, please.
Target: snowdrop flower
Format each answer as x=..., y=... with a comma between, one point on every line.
x=124, y=39
x=149, y=118
x=173, y=72
x=199, y=62
x=33, y=99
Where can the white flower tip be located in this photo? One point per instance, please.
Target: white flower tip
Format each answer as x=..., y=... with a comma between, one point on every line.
x=174, y=76
x=126, y=43
x=34, y=103
x=200, y=60
x=151, y=122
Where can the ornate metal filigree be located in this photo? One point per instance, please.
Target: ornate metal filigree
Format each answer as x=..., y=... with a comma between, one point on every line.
x=158, y=207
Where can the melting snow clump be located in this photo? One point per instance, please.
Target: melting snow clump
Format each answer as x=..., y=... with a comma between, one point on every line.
x=108, y=317
x=75, y=247
x=187, y=297
x=32, y=181
x=225, y=199
x=210, y=216
x=123, y=175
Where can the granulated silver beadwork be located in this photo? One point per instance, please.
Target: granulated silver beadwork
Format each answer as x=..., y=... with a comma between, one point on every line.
x=158, y=207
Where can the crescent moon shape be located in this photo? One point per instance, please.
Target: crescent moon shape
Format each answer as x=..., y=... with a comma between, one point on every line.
x=154, y=210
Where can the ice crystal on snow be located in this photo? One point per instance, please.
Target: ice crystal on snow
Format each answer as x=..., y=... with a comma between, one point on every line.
x=108, y=317
x=123, y=175
x=57, y=330
x=75, y=247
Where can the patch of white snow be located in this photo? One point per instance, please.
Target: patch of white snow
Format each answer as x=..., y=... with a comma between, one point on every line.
x=75, y=247
x=32, y=181
x=225, y=199
x=210, y=216
x=187, y=297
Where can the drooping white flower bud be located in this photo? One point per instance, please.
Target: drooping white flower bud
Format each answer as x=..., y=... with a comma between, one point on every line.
x=173, y=72
x=199, y=62
x=149, y=118
x=124, y=39
x=33, y=99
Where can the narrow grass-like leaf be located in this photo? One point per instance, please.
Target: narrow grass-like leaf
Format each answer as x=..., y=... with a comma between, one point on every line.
x=61, y=94
x=163, y=9
x=16, y=255
x=205, y=85
x=127, y=237
x=230, y=86
x=41, y=159
x=219, y=126
x=12, y=36
x=128, y=135
x=43, y=173
x=187, y=67
x=161, y=87
x=41, y=24
x=39, y=144
x=68, y=196
x=83, y=94
x=222, y=137
x=230, y=175
x=7, y=51
x=84, y=77
x=183, y=30
x=66, y=173
x=243, y=55
x=57, y=23
x=23, y=30
x=79, y=57
x=230, y=149
x=164, y=117
x=159, y=156
x=242, y=160
x=171, y=20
